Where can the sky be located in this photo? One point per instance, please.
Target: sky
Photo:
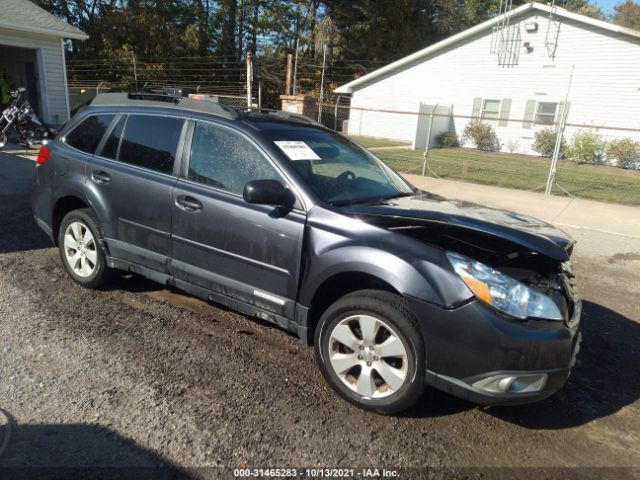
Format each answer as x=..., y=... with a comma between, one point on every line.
x=607, y=5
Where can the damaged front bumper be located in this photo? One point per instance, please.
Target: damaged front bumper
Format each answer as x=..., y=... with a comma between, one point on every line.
x=477, y=354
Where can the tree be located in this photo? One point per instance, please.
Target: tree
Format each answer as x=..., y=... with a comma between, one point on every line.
x=375, y=30
x=203, y=9
x=583, y=7
x=456, y=15
x=202, y=43
x=228, y=18
x=627, y=14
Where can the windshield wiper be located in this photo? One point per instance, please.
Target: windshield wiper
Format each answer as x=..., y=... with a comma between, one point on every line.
x=399, y=195
x=344, y=203
x=370, y=201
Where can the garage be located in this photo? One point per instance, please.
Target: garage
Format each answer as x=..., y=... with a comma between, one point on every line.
x=32, y=55
x=18, y=68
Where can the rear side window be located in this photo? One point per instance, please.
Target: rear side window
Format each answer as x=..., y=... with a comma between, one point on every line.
x=149, y=141
x=88, y=134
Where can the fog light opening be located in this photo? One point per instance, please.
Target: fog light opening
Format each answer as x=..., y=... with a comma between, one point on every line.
x=505, y=384
x=512, y=383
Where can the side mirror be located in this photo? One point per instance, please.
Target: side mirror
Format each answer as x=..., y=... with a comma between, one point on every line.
x=268, y=192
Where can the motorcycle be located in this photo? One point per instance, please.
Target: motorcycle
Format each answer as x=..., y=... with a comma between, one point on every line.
x=31, y=131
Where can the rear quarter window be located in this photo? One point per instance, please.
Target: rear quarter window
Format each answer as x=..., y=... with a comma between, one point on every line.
x=87, y=135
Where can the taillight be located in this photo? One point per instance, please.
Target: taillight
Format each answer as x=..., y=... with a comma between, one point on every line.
x=43, y=155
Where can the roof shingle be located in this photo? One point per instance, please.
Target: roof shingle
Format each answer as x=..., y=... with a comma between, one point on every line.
x=25, y=16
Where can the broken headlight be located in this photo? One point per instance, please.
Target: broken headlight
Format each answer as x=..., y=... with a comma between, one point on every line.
x=502, y=292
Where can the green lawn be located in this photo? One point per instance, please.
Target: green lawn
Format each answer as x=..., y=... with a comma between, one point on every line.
x=372, y=142
x=524, y=172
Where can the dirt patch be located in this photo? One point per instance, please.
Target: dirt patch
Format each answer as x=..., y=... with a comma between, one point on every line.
x=136, y=375
x=624, y=257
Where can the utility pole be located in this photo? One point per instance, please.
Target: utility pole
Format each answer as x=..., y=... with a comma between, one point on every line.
x=426, y=147
x=295, y=68
x=324, y=64
x=556, y=150
x=249, y=78
x=287, y=84
x=135, y=72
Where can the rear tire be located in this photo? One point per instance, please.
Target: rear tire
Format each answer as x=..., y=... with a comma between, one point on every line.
x=82, y=249
x=370, y=350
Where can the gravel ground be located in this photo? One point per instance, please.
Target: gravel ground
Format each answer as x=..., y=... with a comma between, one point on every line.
x=141, y=377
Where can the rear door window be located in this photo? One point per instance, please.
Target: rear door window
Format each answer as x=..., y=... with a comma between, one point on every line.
x=110, y=148
x=149, y=141
x=87, y=135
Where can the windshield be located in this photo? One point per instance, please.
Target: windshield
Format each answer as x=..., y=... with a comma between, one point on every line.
x=337, y=170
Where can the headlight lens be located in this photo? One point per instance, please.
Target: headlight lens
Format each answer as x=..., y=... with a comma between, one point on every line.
x=503, y=292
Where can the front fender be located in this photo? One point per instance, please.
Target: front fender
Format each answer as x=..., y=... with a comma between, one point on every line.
x=430, y=279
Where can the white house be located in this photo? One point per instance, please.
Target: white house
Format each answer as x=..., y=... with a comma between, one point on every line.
x=32, y=55
x=512, y=71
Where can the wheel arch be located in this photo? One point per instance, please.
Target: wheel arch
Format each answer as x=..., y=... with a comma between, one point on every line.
x=63, y=206
x=336, y=272
x=336, y=287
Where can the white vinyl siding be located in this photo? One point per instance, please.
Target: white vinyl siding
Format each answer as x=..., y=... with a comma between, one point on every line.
x=49, y=68
x=605, y=88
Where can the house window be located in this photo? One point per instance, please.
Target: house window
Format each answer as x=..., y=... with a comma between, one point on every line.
x=491, y=110
x=546, y=113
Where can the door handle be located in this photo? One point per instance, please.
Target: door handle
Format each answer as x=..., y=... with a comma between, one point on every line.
x=99, y=176
x=188, y=204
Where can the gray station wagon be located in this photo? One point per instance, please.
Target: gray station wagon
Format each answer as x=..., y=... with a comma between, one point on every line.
x=279, y=218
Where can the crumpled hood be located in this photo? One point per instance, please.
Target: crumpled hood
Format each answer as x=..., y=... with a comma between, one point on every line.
x=424, y=207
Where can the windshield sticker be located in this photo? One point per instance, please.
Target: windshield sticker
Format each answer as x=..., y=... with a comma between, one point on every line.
x=297, y=150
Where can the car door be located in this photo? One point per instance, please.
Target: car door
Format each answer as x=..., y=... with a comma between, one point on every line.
x=246, y=252
x=132, y=176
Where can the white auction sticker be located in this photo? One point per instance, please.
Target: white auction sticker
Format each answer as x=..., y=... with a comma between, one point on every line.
x=297, y=150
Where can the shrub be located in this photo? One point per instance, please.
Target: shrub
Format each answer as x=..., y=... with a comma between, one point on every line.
x=544, y=142
x=586, y=147
x=512, y=146
x=448, y=140
x=625, y=152
x=482, y=135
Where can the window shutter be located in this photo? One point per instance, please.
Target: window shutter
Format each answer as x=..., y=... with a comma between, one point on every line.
x=477, y=109
x=505, y=110
x=529, y=112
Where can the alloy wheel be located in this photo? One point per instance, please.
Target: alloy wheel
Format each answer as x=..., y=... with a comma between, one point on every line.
x=80, y=249
x=368, y=356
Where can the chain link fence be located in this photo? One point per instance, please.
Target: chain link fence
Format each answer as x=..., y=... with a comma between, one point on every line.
x=595, y=161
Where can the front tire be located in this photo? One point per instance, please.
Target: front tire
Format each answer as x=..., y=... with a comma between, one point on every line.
x=81, y=249
x=370, y=350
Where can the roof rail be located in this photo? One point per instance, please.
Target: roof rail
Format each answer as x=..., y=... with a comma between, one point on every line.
x=161, y=97
x=166, y=101
x=296, y=117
